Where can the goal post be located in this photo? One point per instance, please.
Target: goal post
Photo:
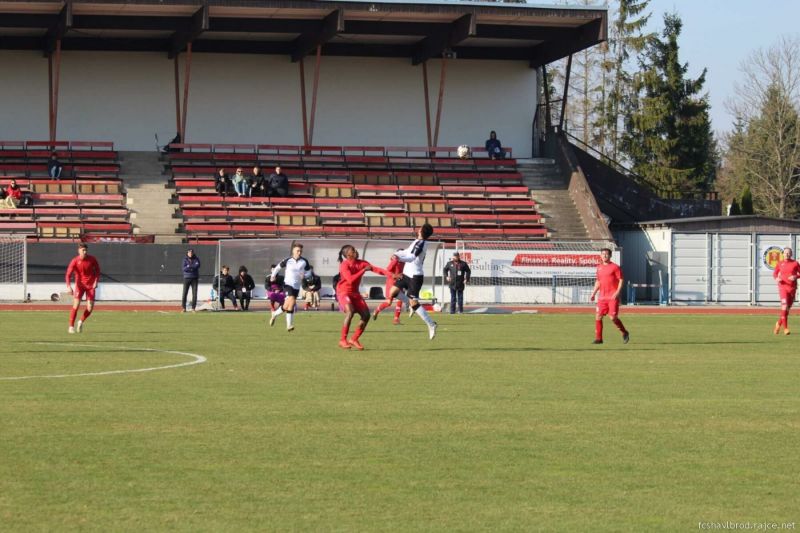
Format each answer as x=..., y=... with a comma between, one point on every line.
x=547, y=272
x=13, y=268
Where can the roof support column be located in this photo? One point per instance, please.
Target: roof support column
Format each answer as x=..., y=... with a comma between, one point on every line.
x=442, y=79
x=314, y=95
x=547, y=119
x=53, y=79
x=427, y=102
x=303, y=100
x=187, y=76
x=177, y=97
x=564, y=96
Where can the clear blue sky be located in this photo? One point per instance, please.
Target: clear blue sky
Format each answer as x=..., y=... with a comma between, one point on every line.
x=719, y=35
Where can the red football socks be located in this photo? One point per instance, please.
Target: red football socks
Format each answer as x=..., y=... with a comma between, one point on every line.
x=345, y=331
x=617, y=322
x=86, y=314
x=72, y=314
x=598, y=330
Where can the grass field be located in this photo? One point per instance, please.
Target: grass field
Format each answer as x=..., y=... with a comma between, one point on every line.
x=502, y=423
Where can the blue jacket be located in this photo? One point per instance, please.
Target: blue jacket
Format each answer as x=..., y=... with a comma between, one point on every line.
x=191, y=267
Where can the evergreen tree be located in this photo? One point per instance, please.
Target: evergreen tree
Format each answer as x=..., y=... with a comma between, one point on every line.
x=735, y=210
x=747, y=201
x=668, y=135
x=626, y=38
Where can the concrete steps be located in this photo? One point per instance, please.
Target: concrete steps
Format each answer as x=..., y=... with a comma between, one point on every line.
x=550, y=190
x=148, y=196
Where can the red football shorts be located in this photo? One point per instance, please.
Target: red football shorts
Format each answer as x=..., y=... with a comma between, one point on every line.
x=80, y=290
x=607, y=307
x=355, y=301
x=787, y=295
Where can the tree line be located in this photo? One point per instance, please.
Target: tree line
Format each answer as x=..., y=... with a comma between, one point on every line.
x=632, y=100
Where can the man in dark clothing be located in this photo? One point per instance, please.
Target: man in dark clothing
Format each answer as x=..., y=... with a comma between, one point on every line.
x=222, y=183
x=244, y=285
x=54, y=167
x=191, y=273
x=278, y=183
x=258, y=182
x=456, y=275
x=494, y=148
x=225, y=287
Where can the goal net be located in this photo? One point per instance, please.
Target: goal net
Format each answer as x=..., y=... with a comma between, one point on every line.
x=550, y=272
x=13, y=268
x=258, y=255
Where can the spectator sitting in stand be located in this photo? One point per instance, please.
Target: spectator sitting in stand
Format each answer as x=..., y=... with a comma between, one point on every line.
x=258, y=182
x=240, y=183
x=222, y=183
x=494, y=148
x=244, y=285
x=278, y=183
x=13, y=196
x=311, y=287
x=224, y=285
x=54, y=167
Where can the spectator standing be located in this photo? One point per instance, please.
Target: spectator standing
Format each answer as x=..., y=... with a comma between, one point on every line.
x=278, y=183
x=244, y=286
x=240, y=183
x=223, y=184
x=456, y=275
x=54, y=167
x=493, y=146
x=191, y=275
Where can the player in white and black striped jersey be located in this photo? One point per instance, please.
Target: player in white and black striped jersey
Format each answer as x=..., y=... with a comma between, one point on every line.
x=297, y=268
x=413, y=276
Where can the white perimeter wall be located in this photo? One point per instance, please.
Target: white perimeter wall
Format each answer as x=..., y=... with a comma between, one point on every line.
x=127, y=97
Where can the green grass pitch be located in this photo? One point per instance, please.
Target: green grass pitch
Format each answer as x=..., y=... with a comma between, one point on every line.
x=502, y=423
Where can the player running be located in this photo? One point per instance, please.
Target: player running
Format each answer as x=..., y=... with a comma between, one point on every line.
x=413, y=276
x=297, y=267
x=351, y=270
x=786, y=273
x=609, y=284
x=87, y=274
x=395, y=268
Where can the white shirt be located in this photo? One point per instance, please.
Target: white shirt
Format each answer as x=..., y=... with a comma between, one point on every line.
x=296, y=270
x=413, y=257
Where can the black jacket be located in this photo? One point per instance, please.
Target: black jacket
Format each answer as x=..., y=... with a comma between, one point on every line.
x=223, y=284
x=457, y=273
x=313, y=284
x=245, y=282
x=223, y=184
x=278, y=181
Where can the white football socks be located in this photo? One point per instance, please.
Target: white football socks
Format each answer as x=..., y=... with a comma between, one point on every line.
x=423, y=314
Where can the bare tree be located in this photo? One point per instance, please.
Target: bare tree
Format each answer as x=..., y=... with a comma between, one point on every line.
x=767, y=101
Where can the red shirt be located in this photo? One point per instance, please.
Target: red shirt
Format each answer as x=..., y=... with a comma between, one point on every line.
x=351, y=272
x=609, y=276
x=87, y=271
x=395, y=266
x=783, y=270
x=14, y=193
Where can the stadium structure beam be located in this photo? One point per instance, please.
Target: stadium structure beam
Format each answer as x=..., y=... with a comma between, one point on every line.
x=53, y=78
x=564, y=96
x=187, y=76
x=437, y=44
x=427, y=102
x=182, y=39
x=575, y=41
x=308, y=128
x=442, y=79
x=28, y=20
x=57, y=31
x=326, y=30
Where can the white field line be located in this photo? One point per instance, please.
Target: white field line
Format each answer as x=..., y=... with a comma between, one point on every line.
x=196, y=360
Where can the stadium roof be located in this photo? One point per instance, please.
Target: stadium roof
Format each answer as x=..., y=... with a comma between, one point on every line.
x=295, y=28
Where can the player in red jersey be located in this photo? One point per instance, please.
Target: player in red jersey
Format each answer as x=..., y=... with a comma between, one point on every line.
x=395, y=267
x=608, y=284
x=786, y=273
x=87, y=274
x=351, y=270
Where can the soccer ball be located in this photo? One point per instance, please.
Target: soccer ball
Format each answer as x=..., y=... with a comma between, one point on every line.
x=437, y=308
x=463, y=151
